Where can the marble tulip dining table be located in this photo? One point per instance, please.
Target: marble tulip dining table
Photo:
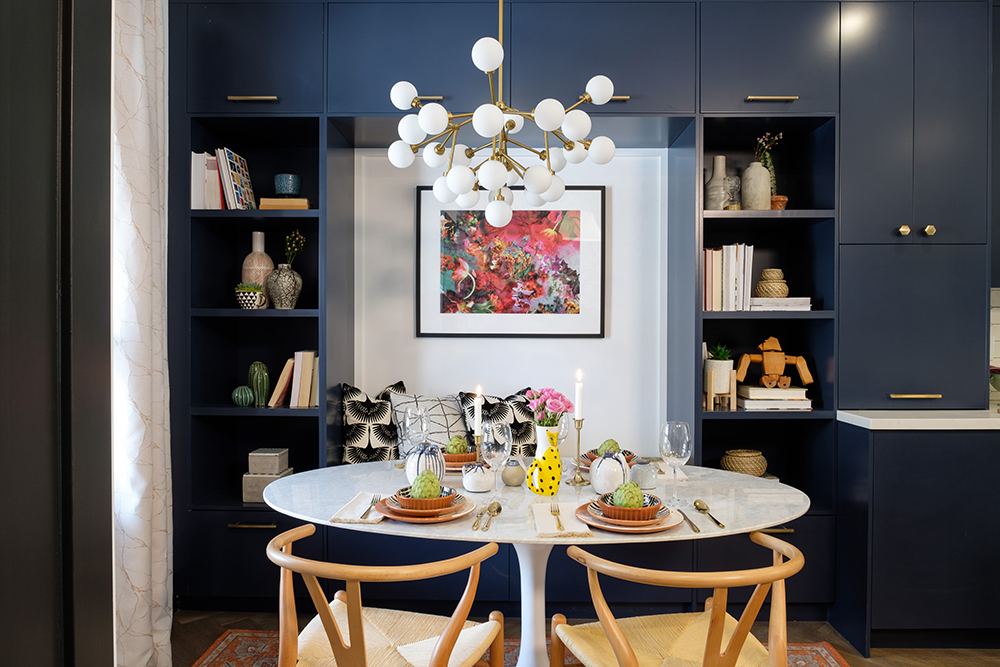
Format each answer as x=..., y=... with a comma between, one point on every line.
x=740, y=502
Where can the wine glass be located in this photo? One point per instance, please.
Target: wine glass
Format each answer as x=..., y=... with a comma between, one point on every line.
x=675, y=447
x=414, y=431
x=496, y=447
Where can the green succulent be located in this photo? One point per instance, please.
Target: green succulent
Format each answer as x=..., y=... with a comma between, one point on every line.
x=249, y=287
x=719, y=352
x=627, y=495
x=457, y=445
x=608, y=445
x=426, y=485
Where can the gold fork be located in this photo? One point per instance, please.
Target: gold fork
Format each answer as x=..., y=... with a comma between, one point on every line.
x=374, y=502
x=554, y=510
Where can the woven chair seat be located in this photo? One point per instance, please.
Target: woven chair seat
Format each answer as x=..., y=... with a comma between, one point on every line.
x=666, y=640
x=395, y=639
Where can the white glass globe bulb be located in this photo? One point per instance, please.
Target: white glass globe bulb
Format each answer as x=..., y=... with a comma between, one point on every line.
x=576, y=125
x=533, y=200
x=433, y=118
x=505, y=193
x=400, y=154
x=487, y=121
x=537, y=179
x=549, y=114
x=487, y=54
x=518, y=122
x=577, y=154
x=431, y=157
x=461, y=179
x=499, y=213
x=409, y=129
x=557, y=159
x=492, y=174
x=402, y=95
x=602, y=150
x=512, y=178
x=555, y=191
x=468, y=200
x=460, y=159
x=442, y=192
x=600, y=89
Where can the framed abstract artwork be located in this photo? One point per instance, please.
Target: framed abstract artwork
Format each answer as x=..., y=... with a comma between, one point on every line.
x=542, y=275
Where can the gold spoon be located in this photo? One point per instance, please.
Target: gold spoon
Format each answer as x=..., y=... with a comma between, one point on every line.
x=493, y=510
x=479, y=518
x=703, y=508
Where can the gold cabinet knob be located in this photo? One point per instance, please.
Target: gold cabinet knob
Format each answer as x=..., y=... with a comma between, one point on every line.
x=904, y=230
x=930, y=230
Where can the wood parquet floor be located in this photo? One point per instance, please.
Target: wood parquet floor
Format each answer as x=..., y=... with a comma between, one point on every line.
x=194, y=632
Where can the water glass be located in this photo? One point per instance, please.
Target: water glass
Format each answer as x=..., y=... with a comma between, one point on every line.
x=675, y=447
x=496, y=448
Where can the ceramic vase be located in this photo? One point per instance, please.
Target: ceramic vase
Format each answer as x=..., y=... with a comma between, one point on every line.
x=257, y=266
x=243, y=396
x=284, y=286
x=608, y=471
x=477, y=478
x=425, y=457
x=545, y=472
x=513, y=473
x=716, y=192
x=756, y=188
x=260, y=381
x=720, y=375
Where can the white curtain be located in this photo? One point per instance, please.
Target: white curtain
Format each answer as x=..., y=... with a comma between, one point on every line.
x=141, y=424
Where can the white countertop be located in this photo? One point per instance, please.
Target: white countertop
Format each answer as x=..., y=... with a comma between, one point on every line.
x=922, y=420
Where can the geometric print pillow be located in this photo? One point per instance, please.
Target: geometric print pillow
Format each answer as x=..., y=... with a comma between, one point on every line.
x=512, y=410
x=444, y=415
x=369, y=426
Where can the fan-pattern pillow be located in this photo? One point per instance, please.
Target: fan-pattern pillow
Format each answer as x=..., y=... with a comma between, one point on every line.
x=444, y=415
x=512, y=410
x=370, y=431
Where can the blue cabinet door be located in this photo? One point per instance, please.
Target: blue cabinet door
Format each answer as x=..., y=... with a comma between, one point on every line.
x=951, y=121
x=913, y=320
x=255, y=50
x=647, y=50
x=374, y=45
x=876, y=122
x=770, y=49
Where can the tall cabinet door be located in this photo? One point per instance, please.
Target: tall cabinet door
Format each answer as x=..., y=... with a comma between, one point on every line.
x=770, y=49
x=951, y=121
x=913, y=321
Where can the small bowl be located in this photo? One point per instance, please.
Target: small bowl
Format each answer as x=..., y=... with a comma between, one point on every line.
x=287, y=185
x=650, y=506
x=446, y=498
x=459, y=458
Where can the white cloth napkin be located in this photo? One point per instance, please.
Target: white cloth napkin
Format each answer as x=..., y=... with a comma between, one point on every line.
x=545, y=523
x=666, y=473
x=352, y=511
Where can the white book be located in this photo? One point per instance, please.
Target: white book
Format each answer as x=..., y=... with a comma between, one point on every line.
x=751, y=391
x=198, y=180
x=741, y=259
x=716, y=278
x=213, y=186
x=772, y=404
x=293, y=399
x=226, y=178
x=728, y=277
x=748, y=278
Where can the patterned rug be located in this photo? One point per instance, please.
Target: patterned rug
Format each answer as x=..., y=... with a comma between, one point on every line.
x=259, y=648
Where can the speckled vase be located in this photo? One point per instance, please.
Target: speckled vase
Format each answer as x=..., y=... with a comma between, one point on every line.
x=756, y=188
x=284, y=285
x=260, y=382
x=258, y=266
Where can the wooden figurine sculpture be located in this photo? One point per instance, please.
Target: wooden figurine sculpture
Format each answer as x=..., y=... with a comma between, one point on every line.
x=774, y=362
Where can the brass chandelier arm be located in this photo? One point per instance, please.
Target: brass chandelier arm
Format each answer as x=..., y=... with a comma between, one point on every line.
x=567, y=144
x=548, y=161
x=459, y=115
x=493, y=93
x=527, y=148
x=516, y=166
x=584, y=99
x=430, y=139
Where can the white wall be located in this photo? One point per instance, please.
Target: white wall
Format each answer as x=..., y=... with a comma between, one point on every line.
x=624, y=376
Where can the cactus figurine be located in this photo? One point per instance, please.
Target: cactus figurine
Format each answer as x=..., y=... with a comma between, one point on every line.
x=243, y=396
x=260, y=382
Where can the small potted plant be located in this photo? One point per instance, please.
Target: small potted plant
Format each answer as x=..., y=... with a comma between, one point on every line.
x=249, y=295
x=720, y=363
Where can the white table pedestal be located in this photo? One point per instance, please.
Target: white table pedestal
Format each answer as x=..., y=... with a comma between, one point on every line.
x=532, y=559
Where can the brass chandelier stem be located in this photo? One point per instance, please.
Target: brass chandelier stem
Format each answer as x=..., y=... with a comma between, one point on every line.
x=548, y=161
x=500, y=69
x=527, y=148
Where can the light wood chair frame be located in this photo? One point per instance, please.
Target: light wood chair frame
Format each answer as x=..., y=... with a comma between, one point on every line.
x=764, y=579
x=279, y=551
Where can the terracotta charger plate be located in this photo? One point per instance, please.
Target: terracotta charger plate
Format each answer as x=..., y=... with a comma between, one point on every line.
x=584, y=515
x=453, y=512
x=393, y=504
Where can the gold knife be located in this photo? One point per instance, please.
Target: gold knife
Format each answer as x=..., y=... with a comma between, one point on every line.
x=690, y=523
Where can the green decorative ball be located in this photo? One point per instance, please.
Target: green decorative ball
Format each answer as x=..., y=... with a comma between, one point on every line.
x=425, y=485
x=243, y=396
x=627, y=495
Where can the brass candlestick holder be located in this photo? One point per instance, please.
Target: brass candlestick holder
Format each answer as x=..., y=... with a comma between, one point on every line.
x=479, y=447
x=578, y=479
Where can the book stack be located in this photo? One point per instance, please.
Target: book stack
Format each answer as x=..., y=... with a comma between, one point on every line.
x=220, y=181
x=749, y=397
x=265, y=464
x=727, y=280
x=783, y=303
x=283, y=203
x=298, y=382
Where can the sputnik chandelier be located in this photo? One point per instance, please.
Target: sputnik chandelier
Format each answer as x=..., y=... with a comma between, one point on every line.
x=496, y=121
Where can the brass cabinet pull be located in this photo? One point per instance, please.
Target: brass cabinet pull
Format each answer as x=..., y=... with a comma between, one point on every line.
x=252, y=98
x=904, y=230
x=914, y=395
x=777, y=531
x=772, y=98
x=266, y=526
x=930, y=230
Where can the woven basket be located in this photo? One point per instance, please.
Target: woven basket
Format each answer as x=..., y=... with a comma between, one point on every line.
x=774, y=289
x=746, y=461
x=772, y=274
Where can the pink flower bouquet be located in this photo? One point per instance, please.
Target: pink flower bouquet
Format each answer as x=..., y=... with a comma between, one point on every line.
x=547, y=406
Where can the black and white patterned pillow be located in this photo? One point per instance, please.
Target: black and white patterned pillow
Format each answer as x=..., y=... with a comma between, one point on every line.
x=444, y=415
x=369, y=428
x=512, y=410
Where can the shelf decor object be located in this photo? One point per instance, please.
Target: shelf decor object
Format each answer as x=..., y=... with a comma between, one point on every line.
x=716, y=190
x=756, y=188
x=243, y=396
x=249, y=295
x=771, y=284
x=257, y=266
x=746, y=461
x=497, y=122
x=283, y=284
x=260, y=381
